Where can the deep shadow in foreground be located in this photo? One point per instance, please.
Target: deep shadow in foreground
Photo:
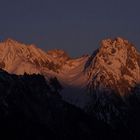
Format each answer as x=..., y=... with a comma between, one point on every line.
x=31, y=108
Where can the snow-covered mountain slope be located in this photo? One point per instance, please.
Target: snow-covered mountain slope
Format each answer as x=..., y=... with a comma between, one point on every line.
x=115, y=66
x=19, y=58
x=72, y=74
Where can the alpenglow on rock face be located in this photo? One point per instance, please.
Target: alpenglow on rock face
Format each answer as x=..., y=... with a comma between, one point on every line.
x=115, y=66
x=19, y=58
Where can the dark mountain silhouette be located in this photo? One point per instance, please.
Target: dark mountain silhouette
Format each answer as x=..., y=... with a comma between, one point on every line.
x=121, y=115
x=31, y=108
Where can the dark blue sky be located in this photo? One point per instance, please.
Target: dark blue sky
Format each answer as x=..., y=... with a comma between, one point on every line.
x=77, y=26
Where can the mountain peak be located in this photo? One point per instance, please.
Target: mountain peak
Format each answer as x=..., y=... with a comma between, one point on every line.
x=10, y=41
x=116, y=49
x=117, y=43
x=115, y=63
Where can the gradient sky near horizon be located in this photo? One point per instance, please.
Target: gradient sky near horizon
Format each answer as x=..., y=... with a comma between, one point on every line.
x=76, y=26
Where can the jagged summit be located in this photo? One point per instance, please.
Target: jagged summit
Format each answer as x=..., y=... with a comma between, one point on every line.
x=116, y=66
x=117, y=42
x=13, y=42
x=10, y=40
x=116, y=46
x=117, y=51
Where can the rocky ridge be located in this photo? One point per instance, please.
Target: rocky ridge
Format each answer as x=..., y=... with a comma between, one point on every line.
x=115, y=66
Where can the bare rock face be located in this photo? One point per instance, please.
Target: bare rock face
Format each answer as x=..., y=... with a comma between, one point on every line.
x=19, y=58
x=115, y=66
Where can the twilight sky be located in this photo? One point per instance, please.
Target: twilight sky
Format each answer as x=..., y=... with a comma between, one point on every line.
x=76, y=26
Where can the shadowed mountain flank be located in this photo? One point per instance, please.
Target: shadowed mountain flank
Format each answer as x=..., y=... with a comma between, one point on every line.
x=31, y=108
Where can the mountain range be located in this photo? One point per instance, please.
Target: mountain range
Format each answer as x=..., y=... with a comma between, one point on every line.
x=115, y=63
x=114, y=66
x=103, y=85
